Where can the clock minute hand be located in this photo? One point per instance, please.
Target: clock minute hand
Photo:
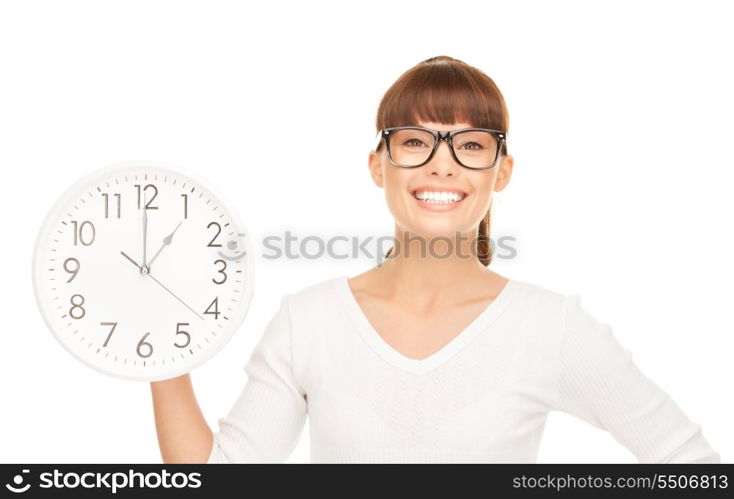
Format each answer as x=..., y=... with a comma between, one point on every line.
x=145, y=230
x=166, y=241
x=161, y=285
x=173, y=294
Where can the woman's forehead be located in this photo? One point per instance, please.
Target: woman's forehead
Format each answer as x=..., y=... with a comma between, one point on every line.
x=444, y=127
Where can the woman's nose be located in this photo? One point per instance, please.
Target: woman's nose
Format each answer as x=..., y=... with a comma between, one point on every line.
x=443, y=162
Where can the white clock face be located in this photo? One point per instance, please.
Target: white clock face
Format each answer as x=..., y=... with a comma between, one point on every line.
x=142, y=272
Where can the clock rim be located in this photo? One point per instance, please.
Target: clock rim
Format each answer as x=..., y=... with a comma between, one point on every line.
x=55, y=213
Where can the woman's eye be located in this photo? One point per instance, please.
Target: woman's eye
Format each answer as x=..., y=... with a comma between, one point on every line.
x=474, y=146
x=413, y=142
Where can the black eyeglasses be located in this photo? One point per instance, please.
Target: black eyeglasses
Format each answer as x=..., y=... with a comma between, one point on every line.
x=414, y=146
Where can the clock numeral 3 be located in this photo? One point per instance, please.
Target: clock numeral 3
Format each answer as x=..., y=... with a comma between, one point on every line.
x=221, y=271
x=216, y=311
x=77, y=306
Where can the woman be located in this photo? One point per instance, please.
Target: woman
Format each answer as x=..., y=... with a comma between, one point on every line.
x=431, y=356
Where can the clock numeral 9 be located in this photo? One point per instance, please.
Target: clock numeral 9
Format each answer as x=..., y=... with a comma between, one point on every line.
x=155, y=193
x=77, y=307
x=212, y=244
x=73, y=271
x=216, y=311
x=221, y=271
x=107, y=203
x=79, y=232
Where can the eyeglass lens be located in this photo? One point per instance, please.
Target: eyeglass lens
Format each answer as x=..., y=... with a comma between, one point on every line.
x=474, y=149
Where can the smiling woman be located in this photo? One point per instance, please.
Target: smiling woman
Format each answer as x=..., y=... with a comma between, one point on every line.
x=431, y=356
x=444, y=90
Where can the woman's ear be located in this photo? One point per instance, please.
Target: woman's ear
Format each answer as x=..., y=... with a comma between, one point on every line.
x=375, y=165
x=504, y=172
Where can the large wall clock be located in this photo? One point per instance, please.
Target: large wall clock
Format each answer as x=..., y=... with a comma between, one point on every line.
x=142, y=271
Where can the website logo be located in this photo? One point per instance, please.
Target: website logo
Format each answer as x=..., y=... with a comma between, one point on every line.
x=18, y=486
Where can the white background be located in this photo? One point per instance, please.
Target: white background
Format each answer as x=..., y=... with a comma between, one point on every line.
x=621, y=129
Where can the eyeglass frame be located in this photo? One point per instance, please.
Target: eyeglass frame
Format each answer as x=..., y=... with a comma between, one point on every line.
x=438, y=136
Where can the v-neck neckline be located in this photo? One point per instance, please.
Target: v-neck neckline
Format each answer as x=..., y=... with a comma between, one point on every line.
x=426, y=364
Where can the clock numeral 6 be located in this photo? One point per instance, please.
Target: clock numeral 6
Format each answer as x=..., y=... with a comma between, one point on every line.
x=79, y=232
x=186, y=334
x=77, y=307
x=221, y=271
x=142, y=343
x=73, y=271
x=216, y=311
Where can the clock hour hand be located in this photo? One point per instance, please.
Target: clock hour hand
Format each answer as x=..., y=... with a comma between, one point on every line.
x=166, y=241
x=133, y=261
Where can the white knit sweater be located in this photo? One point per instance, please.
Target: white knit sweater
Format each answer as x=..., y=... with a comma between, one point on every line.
x=484, y=397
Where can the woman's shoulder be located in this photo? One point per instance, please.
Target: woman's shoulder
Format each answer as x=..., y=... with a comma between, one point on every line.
x=535, y=295
x=315, y=294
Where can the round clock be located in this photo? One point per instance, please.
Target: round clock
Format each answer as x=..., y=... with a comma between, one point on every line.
x=142, y=271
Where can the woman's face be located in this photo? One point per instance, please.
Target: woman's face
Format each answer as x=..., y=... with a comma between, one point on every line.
x=441, y=174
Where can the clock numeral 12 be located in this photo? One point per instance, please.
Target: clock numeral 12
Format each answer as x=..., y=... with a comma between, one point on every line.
x=155, y=193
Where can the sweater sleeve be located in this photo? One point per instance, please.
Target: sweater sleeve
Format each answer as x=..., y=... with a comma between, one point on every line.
x=600, y=384
x=267, y=419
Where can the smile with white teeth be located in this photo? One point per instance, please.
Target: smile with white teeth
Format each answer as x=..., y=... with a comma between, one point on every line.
x=438, y=197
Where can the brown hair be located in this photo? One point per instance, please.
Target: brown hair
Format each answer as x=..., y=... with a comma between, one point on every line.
x=446, y=90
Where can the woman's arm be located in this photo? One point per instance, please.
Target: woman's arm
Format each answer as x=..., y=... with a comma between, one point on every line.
x=599, y=383
x=183, y=434
x=263, y=425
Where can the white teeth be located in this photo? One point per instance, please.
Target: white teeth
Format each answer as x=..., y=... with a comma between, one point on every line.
x=439, y=197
